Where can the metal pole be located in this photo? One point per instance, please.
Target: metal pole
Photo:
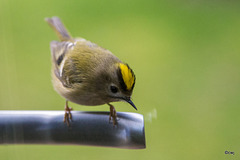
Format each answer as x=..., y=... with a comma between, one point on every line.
x=87, y=128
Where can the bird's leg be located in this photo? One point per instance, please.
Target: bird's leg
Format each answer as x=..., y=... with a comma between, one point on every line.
x=68, y=114
x=113, y=115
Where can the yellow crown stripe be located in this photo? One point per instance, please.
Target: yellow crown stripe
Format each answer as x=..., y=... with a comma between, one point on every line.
x=127, y=75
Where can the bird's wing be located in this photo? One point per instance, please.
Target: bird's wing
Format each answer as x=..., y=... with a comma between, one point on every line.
x=59, y=51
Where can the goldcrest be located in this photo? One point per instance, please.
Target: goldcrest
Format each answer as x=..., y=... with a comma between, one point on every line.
x=87, y=74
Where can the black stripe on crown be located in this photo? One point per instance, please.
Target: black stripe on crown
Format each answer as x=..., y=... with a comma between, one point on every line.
x=121, y=81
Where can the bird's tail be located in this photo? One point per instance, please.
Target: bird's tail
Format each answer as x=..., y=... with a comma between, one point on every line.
x=59, y=28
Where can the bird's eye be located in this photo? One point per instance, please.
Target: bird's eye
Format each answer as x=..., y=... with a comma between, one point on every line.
x=114, y=89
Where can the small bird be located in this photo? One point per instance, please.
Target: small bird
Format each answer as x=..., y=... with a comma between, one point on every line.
x=87, y=74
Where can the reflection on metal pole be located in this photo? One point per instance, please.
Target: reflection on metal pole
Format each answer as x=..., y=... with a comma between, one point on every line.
x=87, y=128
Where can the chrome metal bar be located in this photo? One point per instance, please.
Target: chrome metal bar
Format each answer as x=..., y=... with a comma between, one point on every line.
x=87, y=128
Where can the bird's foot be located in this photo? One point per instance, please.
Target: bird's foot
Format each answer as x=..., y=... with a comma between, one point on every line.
x=68, y=114
x=113, y=115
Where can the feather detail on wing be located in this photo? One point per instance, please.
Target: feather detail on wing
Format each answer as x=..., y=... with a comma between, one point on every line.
x=59, y=51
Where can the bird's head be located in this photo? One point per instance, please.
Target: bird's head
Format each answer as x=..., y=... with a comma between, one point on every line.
x=120, y=83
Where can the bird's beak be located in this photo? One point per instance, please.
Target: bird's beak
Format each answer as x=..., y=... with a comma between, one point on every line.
x=130, y=102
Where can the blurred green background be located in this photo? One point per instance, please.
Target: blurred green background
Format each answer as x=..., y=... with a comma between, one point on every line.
x=186, y=56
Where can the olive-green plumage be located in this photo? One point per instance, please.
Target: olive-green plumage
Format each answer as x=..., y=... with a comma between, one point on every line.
x=84, y=73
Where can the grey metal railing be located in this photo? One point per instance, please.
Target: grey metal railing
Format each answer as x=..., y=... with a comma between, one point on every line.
x=87, y=128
